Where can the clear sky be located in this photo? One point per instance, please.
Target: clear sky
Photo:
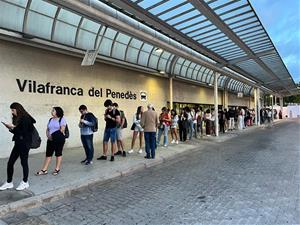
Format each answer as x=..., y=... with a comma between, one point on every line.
x=281, y=19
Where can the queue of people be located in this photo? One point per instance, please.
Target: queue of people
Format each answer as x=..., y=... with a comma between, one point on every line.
x=147, y=126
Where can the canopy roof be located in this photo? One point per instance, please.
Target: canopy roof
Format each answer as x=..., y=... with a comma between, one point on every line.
x=228, y=31
x=236, y=52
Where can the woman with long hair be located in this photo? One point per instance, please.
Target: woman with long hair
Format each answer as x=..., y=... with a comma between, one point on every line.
x=22, y=128
x=56, y=139
x=164, y=124
x=174, y=123
x=137, y=129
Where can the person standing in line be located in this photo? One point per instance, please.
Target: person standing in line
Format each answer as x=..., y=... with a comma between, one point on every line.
x=280, y=114
x=174, y=122
x=200, y=121
x=86, y=123
x=112, y=118
x=208, y=122
x=222, y=120
x=243, y=117
x=240, y=119
x=137, y=129
x=226, y=124
x=214, y=116
x=190, y=113
x=120, y=127
x=231, y=115
x=195, y=116
x=164, y=124
x=22, y=128
x=269, y=117
x=183, y=125
x=56, y=140
x=149, y=122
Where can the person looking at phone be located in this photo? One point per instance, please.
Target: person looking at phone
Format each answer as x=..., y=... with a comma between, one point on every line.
x=112, y=119
x=22, y=128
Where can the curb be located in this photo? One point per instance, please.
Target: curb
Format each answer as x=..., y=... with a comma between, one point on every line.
x=54, y=195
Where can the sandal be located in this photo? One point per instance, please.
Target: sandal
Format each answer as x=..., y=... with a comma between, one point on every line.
x=41, y=172
x=55, y=172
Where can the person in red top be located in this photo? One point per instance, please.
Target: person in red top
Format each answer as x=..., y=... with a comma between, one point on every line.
x=164, y=125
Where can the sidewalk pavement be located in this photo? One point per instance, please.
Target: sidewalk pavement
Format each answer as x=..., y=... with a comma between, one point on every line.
x=75, y=176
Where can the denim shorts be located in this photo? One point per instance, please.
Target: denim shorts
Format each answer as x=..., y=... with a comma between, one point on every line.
x=110, y=133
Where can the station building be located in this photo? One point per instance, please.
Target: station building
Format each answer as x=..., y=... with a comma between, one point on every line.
x=66, y=53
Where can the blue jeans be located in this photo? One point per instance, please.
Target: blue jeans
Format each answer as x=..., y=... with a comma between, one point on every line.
x=164, y=130
x=87, y=142
x=191, y=129
x=150, y=144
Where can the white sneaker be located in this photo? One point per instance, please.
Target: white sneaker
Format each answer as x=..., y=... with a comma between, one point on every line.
x=130, y=151
x=23, y=185
x=141, y=151
x=177, y=142
x=173, y=142
x=165, y=146
x=6, y=186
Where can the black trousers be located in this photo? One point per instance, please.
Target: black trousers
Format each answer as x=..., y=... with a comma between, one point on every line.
x=19, y=150
x=182, y=133
x=222, y=127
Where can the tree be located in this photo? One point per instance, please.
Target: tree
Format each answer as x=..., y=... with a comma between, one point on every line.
x=292, y=99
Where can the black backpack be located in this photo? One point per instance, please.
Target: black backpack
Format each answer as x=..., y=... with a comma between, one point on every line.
x=95, y=122
x=35, y=139
x=125, y=120
x=67, y=133
x=125, y=123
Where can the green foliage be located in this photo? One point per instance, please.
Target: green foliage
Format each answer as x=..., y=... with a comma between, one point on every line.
x=292, y=99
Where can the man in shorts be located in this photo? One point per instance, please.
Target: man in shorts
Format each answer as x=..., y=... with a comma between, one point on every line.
x=112, y=119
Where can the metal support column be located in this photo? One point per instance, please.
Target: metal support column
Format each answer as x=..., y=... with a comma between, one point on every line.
x=272, y=103
x=258, y=102
x=171, y=92
x=225, y=99
x=255, y=106
x=216, y=75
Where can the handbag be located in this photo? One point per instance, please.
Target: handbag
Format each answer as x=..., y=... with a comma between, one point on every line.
x=133, y=126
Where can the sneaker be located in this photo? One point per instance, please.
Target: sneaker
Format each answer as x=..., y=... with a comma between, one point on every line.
x=103, y=157
x=130, y=151
x=140, y=151
x=6, y=186
x=176, y=142
x=124, y=154
x=88, y=162
x=23, y=185
x=83, y=161
x=118, y=153
x=165, y=146
x=112, y=158
x=173, y=142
